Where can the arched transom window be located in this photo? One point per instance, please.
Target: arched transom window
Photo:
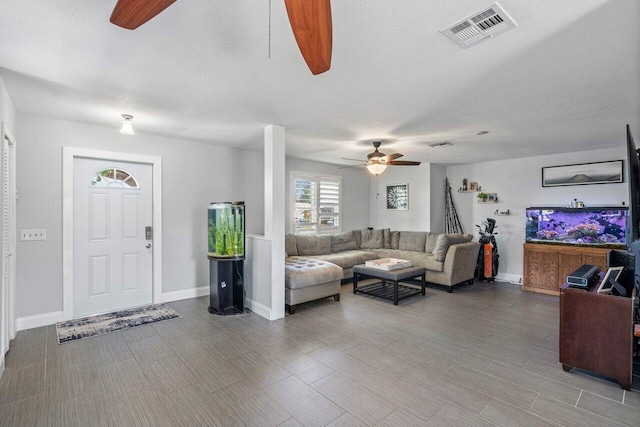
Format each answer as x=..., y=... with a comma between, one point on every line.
x=114, y=178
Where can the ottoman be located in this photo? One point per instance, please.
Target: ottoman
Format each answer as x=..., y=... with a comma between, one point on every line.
x=308, y=279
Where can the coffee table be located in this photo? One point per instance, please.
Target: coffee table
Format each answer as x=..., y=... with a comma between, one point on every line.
x=390, y=286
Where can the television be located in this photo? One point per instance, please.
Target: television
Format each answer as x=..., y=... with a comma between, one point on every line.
x=633, y=181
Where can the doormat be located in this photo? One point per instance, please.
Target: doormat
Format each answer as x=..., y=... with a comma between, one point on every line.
x=101, y=324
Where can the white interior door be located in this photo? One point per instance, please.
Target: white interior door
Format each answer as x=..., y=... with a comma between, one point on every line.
x=112, y=206
x=7, y=178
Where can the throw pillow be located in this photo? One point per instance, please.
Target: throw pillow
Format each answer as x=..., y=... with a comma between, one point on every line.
x=357, y=235
x=412, y=241
x=290, y=245
x=372, y=239
x=313, y=245
x=343, y=242
x=432, y=239
x=395, y=239
x=445, y=241
x=386, y=238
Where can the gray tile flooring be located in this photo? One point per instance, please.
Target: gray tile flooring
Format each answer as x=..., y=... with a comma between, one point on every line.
x=485, y=355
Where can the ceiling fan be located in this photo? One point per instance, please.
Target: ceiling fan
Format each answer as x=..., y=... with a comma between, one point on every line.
x=377, y=162
x=310, y=21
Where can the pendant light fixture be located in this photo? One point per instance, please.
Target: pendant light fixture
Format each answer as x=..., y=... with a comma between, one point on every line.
x=127, y=124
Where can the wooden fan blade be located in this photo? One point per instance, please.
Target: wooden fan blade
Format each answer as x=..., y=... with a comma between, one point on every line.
x=311, y=24
x=403, y=163
x=130, y=14
x=391, y=157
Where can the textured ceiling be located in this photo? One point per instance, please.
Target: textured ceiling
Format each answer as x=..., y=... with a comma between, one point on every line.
x=566, y=79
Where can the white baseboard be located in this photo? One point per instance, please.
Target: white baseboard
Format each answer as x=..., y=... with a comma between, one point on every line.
x=184, y=294
x=511, y=278
x=259, y=309
x=38, y=320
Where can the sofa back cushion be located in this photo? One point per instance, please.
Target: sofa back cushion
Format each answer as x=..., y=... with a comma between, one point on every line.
x=395, y=240
x=290, y=245
x=412, y=241
x=313, y=245
x=386, y=238
x=371, y=239
x=432, y=240
x=445, y=241
x=357, y=235
x=343, y=242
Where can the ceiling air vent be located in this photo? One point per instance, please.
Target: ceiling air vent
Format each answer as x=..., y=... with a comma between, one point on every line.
x=440, y=144
x=486, y=23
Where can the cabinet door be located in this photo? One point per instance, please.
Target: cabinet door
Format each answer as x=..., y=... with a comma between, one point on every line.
x=541, y=270
x=568, y=263
x=596, y=259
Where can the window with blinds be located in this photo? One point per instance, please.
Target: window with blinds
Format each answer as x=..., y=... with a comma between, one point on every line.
x=316, y=207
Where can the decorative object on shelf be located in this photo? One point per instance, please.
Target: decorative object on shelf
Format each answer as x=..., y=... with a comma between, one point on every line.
x=452, y=222
x=487, y=197
x=502, y=213
x=473, y=186
x=464, y=184
x=583, y=174
x=398, y=197
x=492, y=197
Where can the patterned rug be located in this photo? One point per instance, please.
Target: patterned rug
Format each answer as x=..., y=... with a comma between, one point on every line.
x=101, y=324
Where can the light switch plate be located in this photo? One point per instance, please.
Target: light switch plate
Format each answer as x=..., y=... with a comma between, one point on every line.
x=34, y=234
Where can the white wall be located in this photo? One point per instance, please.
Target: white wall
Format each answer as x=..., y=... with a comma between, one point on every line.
x=249, y=176
x=518, y=184
x=418, y=217
x=437, y=177
x=194, y=174
x=355, y=191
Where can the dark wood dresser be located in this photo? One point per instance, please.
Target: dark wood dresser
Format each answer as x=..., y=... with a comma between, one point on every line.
x=596, y=333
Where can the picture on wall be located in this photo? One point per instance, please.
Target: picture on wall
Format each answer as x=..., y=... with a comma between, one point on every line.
x=583, y=174
x=398, y=197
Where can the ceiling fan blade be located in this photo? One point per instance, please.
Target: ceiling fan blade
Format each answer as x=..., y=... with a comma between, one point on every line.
x=391, y=157
x=403, y=163
x=311, y=24
x=355, y=160
x=130, y=14
x=351, y=166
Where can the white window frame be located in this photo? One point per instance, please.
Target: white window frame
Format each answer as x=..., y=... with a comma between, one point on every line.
x=292, y=200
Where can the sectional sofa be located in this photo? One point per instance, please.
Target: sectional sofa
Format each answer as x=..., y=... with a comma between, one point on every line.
x=317, y=264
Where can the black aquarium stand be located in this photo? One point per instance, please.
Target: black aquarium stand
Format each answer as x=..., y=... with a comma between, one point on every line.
x=226, y=286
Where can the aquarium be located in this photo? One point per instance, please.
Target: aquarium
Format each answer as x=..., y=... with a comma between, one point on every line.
x=598, y=226
x=226, y=230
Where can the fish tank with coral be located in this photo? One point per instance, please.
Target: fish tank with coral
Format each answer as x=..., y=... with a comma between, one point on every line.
x=226, y=230
x=597, y=226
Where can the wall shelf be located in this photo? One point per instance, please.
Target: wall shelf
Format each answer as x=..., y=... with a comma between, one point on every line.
x=467, y=191
x=488, y=202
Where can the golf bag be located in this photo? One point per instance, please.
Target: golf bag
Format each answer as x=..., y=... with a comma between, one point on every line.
x=487, y=265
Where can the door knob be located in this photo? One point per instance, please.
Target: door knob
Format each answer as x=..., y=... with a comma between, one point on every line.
x=148, y=245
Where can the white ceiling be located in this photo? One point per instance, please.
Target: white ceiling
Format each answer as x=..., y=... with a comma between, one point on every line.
x=566, y=79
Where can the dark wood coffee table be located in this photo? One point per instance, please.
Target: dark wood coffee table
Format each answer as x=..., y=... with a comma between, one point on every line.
x=390, y=286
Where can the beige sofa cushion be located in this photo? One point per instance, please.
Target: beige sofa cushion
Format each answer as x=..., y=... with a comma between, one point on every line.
x=418, y=259
x=432, y=240
x=412, y=241
x=446, y=240
x=386, y=238
x=313, y=245
x=357, y=235
x=372, y=239
x=343, y=242
x=348, y=259
x=395, y=239
x=290, y=245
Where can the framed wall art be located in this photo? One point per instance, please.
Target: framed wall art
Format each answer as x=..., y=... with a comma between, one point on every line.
x=398, y=197
x=583, y=174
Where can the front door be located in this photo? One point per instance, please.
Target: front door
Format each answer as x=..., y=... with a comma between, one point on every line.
x=112, y=206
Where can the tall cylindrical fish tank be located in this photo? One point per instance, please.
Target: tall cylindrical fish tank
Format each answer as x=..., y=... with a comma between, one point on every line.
x=225, y=232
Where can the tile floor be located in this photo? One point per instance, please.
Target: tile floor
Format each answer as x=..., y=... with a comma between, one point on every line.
x=485, y=355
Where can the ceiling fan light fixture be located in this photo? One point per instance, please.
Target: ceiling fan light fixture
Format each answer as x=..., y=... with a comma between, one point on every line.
x=127, y=124
x=376, y=168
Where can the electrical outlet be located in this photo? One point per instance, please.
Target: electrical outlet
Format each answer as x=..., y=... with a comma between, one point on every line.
x=34, y=234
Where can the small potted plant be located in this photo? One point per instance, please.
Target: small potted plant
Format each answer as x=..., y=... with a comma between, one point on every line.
x=482, y=197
